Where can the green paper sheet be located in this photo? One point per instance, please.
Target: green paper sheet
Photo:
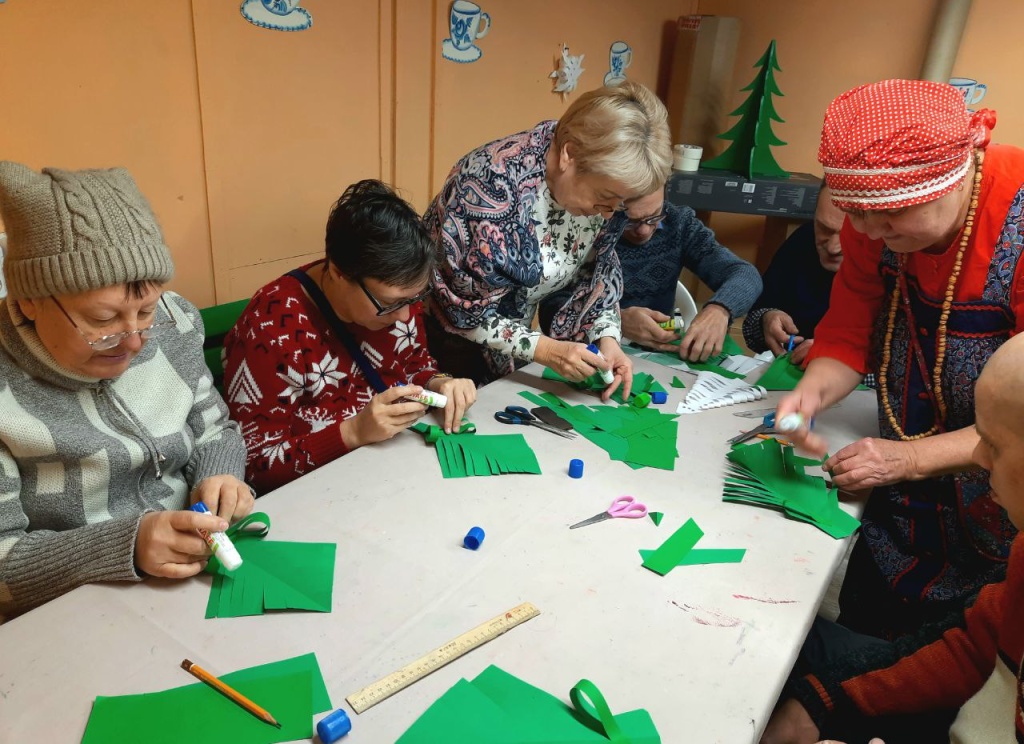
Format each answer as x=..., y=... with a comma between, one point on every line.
x=656, y=517
x=498, y=708
x=677, y=383
x=640, y=437
x=643, y=382
x=784, y=375
x=485, y=454
x=672, y=551
x=292, y=690
x=767, y=474
x=274, y=575
x=705, y=556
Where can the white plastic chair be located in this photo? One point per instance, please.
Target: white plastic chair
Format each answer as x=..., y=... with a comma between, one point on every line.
x=687, y=307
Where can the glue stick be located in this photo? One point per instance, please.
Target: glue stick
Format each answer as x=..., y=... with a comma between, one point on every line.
x=220, y=544
x=790, y=423
x=429, y=398
x=607, y=376
x=674, y=323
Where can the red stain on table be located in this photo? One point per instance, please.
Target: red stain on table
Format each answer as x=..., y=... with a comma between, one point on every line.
x=711, y=618
x=766, y=600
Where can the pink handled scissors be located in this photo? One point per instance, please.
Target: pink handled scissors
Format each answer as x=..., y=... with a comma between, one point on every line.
x=623, y=506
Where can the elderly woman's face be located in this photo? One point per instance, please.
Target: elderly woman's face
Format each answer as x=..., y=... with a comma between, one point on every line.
x=583, y=194
x=933, y=224
x=66, y=323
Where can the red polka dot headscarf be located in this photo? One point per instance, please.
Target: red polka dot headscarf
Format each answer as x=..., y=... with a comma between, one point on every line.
x=899, y=142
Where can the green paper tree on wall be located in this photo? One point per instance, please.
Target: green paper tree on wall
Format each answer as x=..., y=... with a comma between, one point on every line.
x=752, y=137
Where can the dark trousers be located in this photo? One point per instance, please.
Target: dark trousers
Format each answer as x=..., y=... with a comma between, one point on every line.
x=826, y=645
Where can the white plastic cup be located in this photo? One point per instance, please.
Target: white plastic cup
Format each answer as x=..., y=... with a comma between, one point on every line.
x=686, y=157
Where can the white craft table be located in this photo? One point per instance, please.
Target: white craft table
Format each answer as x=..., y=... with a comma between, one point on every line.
x=705, y=649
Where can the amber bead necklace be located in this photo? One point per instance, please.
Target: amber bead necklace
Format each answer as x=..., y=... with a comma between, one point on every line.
x=940, y=335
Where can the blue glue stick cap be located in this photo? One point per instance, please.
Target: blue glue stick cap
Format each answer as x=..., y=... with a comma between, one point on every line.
x=575, y=468
x=200, y=507
x=659, y=397
x=334, y=726
x=473, y=538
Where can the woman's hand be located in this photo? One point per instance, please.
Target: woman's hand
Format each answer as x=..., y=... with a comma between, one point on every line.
x=799, y=355
x=384, y=416
x=570, y=359
x=777, y=327
x=790, y=724
x=872, y=462
x=461, y=394
x=640, y=324
x=706, y=334
x=807, y=404
x=621, y=366
x=225, y=496
x=168, y=544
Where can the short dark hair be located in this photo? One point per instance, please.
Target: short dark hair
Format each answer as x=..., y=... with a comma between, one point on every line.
x=372, y=233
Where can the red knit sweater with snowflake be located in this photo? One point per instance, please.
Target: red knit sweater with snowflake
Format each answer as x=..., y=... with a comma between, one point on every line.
x=290, y=382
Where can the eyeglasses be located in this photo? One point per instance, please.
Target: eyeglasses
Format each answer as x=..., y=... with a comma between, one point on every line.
x=649, y=221
x=112, y=341
x=387, y=310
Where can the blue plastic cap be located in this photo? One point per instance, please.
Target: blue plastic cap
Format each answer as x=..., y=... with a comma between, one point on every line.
x=200, y=507
x=575, y=468
x=473, y=538
x=659, y=397
x=334, y=726
x=592, y=348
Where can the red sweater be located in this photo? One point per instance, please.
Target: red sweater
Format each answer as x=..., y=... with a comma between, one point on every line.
x=290, y=381
x=942, y=667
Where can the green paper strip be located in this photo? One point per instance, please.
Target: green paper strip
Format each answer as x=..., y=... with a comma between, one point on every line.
x=706, y=556
x=590, y=703
x=672, y=551
x=677, y=383
x=656, y=517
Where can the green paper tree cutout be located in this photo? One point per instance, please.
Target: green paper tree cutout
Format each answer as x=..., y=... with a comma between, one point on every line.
x=752, y=138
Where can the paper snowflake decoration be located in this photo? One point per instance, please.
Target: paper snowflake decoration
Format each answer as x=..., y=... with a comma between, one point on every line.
x=567, y=76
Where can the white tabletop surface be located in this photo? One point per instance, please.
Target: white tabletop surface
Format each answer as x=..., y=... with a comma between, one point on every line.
x=704, y=649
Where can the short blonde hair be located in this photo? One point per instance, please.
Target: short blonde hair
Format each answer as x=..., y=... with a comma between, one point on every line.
x=620, y=132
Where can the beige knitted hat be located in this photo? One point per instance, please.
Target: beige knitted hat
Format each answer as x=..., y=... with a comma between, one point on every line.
x=75, y=231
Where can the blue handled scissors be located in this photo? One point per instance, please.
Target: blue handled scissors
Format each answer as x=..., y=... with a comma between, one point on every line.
x=624, y=506
x=519, y=415
x=767, y=426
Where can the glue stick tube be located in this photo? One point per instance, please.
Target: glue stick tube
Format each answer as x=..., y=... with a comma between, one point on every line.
x=428, y=398
x=790, y=423
x=220, y=544
x=607, y=376
x=675, y=323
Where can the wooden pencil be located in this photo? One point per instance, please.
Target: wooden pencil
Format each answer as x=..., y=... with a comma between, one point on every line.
x=230, y=693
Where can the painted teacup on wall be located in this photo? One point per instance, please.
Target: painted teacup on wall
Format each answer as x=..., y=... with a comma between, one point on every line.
x=971, y=89
x=620, y=56
x=466, y=23
x=280, y=7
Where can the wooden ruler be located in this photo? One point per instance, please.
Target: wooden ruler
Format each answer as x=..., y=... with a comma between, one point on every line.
x=384, y=688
